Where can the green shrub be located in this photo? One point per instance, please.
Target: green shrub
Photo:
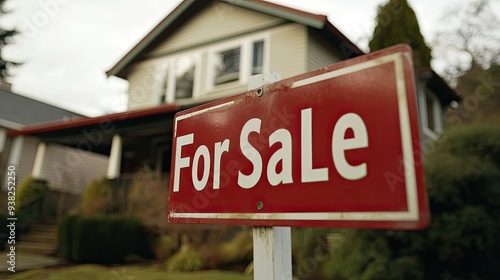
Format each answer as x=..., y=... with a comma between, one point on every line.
x=108, y=240
x=463, y=183
x=28, y=188
x=64, y=236
x=185, y=261
x=163, y=247
x=238, y=249
x=96, y=197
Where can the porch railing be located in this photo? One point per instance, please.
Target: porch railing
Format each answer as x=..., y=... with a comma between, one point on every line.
x=141, y=195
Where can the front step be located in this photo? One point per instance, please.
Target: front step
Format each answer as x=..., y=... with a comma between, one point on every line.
x=41, y=239
x=35, y=248
x=43, y=228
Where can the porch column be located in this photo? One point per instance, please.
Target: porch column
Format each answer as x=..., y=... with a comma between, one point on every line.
x=115, y=157
x=15, y=154
x=3, y=138
x=41, y=150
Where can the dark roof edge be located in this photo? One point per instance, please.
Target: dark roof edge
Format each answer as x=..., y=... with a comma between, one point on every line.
x=439, y=84
x=115, y=70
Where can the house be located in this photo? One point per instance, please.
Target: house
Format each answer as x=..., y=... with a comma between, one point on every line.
x=433, y=96
x=203, y=51
x=16, y=112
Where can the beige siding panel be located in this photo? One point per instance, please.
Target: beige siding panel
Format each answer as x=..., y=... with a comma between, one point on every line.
x=320, y=53
x=288, y=55
x=70, y=170
x=27, y=158
x=216, y=22
x=142, y=82
x=221, y=91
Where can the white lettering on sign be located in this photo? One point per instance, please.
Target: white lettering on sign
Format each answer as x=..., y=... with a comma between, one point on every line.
x=248, y=181
x=181, y=162
x=284, y=155
x=340, y=145
x=220, y=147
x=309, y=174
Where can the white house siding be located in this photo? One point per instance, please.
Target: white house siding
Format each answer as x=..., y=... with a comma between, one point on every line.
x=222, y=23
x=320, y=53
x=288, y=55
x=70, y=170
x=214, y=23
x=142, y=82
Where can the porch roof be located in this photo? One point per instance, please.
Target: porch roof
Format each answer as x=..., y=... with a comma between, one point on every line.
x=83, y=122
x=95, y=134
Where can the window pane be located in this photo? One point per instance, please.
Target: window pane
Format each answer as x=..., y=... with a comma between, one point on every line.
x=184, y=77
x=258, y=57
x=164, y=83
x=431, y=122
x=227, y=67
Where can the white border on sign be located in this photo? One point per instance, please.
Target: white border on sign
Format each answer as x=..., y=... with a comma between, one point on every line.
x=412, y=214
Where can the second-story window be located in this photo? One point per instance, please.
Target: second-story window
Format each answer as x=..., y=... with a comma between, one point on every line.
x=179, y=76
x=184, y=77
x=227, y=66
x=235, y=61
x=258, y=57
x=163, y=71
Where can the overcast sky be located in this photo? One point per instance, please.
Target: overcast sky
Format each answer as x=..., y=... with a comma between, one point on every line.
x=67, y=45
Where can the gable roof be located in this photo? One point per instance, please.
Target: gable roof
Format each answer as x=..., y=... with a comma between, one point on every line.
x=183, y=11
x=17, y=111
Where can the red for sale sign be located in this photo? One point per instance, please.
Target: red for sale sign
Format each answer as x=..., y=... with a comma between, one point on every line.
x=336, y=147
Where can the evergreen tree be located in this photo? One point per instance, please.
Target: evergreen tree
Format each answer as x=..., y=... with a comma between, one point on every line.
x=396, y=24
x=5, y=38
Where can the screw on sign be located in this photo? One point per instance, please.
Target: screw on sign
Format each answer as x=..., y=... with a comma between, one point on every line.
x=323, y=165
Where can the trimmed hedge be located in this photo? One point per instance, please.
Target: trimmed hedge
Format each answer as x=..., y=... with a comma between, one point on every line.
x=64, y=236
x=103, y=239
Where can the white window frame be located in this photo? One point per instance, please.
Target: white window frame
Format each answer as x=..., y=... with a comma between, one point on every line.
x=246, y=58
x=169, y=63
x=436, y=111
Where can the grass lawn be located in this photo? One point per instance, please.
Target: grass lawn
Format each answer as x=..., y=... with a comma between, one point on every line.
x=130, y=272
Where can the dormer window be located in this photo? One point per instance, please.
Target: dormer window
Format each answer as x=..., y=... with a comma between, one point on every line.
x=235, y=61
x=258, y=57
x=184, y=77
x=178, y=77
x=227, y=66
